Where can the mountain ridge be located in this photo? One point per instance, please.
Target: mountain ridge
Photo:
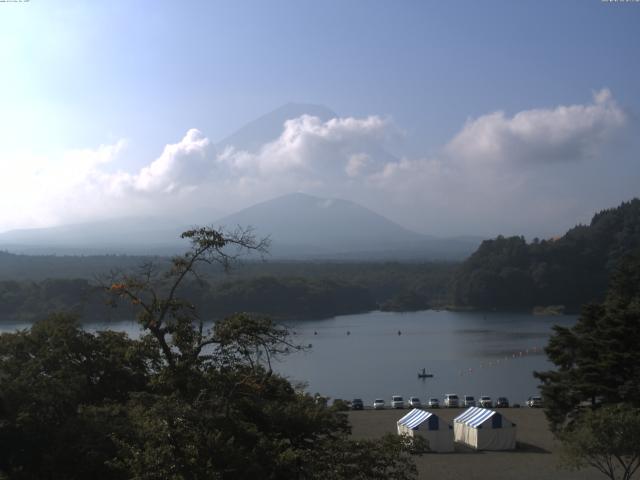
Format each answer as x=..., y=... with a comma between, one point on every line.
x=301, y=226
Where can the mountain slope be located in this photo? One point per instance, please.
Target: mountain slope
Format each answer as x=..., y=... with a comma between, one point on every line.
x=301, y=225
x=268, y=127
x=300, y=219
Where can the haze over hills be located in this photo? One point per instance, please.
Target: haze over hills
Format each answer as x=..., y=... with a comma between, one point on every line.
x=300, y=226
x=132, y=235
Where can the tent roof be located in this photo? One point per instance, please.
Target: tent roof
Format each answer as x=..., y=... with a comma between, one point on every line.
x=474, y=416
x=415, y=418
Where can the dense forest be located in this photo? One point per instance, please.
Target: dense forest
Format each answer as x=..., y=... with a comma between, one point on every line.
x=504, y=273
x=509, y=273
x=283, y=290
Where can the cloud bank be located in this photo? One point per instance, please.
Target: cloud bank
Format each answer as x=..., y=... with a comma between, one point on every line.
x=498, y=173
x=563, y=134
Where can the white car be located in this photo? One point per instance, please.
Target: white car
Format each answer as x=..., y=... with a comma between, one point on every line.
x=451, y=400
x=414, y=402
x=469, y=401
x=485, y=402
x=378, y=404
x=397, y=401
x=434, y=403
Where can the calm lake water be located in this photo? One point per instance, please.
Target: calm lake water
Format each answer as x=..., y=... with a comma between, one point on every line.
x=363, y=355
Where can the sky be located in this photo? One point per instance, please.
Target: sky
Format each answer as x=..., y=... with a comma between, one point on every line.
x=451, y=118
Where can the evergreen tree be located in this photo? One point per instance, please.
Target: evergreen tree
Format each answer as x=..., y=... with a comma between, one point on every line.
x=598, y=359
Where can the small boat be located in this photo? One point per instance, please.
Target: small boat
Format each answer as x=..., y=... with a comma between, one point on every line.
x=424, y=374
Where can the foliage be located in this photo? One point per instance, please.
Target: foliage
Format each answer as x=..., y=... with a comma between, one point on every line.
x=282, y=290
x=607, y=439
x=182, y=402
x=386, y=458
x=598, y=358
x=50, y=376
x=571, y=270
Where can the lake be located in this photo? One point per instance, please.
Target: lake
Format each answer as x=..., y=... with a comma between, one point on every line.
x=377, y=354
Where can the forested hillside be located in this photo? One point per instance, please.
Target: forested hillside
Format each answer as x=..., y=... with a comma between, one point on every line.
x=571, y=270
x=282, y=290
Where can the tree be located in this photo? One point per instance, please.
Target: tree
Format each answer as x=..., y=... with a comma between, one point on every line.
x=598, y=360
x=607, y=439
x=161, y=312
x=52, y=375
x=180, y=403
x=219, y=401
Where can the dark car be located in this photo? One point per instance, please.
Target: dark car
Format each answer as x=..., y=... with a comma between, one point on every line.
x=357, y=404
x=502, y=402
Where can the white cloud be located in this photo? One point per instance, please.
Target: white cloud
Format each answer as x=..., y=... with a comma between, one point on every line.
x=180, y=165
x=356, y=164
x=310, y=147
x=486, y=176
x=33, y=188
x=564, y=133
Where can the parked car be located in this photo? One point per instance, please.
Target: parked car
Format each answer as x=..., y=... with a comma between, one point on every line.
x=357, y=404
x=433, y=403
x=378, y=404
x=414, y=402
x=397, y=401
x=535, y=401
x=451, y=400
x=469, y=401
x=502, y=402
x=485, y=402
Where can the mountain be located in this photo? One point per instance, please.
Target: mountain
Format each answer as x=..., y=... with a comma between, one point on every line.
x=269, y=126
x=300, y=227
x=572, y=270
x=304, y=226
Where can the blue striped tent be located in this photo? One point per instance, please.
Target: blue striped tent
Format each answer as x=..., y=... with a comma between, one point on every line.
x=484, y=429
x=439, y=434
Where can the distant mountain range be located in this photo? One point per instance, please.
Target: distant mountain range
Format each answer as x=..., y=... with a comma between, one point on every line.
x=132, y=235
x=300, y=226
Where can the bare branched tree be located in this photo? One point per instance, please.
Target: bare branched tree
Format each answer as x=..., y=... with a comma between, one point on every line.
x=172, y=321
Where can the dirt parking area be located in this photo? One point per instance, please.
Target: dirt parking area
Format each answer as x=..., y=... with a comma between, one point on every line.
x=536, y=457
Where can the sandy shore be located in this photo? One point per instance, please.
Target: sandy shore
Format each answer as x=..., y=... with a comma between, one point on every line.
x=536, y=457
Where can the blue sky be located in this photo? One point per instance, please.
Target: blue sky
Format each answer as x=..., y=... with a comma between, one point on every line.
x=80, y=75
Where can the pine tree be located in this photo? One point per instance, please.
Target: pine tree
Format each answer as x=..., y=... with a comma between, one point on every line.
x=598, y=359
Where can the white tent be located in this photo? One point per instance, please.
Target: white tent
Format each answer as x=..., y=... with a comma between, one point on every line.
x=484, y=429
x=438, y=434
